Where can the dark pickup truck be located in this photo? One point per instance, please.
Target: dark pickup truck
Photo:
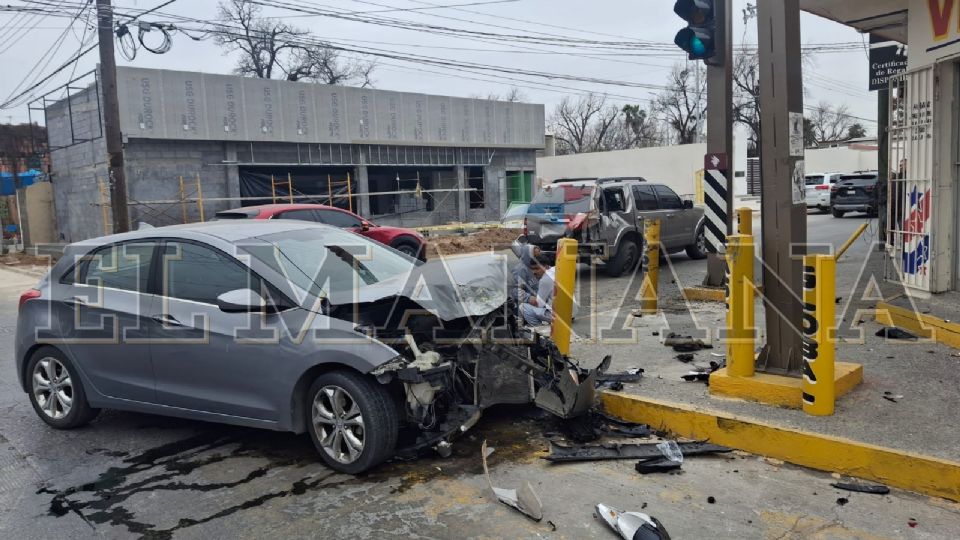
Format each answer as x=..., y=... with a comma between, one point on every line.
x=858, y=192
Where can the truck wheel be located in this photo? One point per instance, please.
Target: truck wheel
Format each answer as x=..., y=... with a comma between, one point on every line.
x=407, y=247
x=698, y=250
x=838, y=213
x=625, y=259
x=353, y=421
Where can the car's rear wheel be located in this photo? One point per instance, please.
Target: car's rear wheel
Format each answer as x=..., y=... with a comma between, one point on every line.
x=698, y=250
x=353, y=421
x=56, y=391
x=838, y=213
x=625, y=259
x=407, y=247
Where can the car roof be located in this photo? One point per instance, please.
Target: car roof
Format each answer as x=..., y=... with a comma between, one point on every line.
x=276, y=207
x=228, y=231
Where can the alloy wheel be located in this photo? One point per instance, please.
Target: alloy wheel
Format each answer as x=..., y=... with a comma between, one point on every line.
x=338, y=424
x=52, y=387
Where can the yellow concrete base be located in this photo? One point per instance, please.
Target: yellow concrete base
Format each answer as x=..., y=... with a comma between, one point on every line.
x=778, y=390
x=705, y=294
x=922, y=474
x=925, y=326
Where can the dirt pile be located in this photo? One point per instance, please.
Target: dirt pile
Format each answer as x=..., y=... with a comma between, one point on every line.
x=484, y=240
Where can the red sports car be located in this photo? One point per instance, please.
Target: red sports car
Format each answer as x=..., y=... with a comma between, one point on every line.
x=406, y=241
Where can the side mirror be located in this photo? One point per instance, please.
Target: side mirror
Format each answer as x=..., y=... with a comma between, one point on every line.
x=687, y=205
x=241, y=301
x=365, y=225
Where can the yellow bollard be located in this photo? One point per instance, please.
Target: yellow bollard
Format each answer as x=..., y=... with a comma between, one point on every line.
x=740, y=306
x=564, y=285
x=745, y=220
x=650, y=264
x=819, y=334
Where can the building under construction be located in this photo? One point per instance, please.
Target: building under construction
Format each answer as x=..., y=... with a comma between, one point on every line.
x=197, y=143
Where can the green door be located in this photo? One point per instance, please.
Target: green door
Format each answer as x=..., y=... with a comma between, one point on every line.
x=519, y=187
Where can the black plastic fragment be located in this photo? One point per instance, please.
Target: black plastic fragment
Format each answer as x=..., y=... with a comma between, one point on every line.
x=892, y=332
x=875, y=489
x=656, y=465
x=559, y=453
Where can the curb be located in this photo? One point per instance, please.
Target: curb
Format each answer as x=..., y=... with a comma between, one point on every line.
x=914, y=472
x=926, y=326
x=705, y=294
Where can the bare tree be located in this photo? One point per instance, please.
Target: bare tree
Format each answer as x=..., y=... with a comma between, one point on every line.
x=746, y=97
x=830, y=123
x=513, y=95
x=588, y=124
x=642, y=127
x=270, y=48
x=682, y=103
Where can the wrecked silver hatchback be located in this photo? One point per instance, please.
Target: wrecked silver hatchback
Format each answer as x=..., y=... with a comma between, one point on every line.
x=455, y=342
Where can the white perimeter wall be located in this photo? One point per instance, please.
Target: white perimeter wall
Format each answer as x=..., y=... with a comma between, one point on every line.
x=675, y=166
x=842, y=160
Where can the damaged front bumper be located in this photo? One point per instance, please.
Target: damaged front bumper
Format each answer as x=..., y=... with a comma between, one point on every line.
x=445, y=387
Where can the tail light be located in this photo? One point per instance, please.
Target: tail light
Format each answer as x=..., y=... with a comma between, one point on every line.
x=525, y=232
x=833, y=189
x=869, y=189
x=822, y=187
x=30, y=294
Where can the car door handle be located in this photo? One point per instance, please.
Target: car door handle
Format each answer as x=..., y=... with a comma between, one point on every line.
x=167, y=320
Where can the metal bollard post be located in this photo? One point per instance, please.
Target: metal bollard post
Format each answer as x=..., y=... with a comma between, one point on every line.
x=564, y=287
x=745, y=220
x=819, y=334
x=650, y=265
x=740, y=306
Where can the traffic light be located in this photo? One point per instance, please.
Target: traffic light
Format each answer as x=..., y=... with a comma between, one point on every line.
x=699, y=38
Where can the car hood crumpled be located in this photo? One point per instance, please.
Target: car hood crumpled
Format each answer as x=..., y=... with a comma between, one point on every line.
x=448, y=287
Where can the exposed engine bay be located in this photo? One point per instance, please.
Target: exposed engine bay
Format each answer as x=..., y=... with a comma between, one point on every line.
x=449, y=371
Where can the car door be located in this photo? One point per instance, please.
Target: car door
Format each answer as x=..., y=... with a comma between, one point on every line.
x=617, y=213
x=674, y=229
x=206, y=359
x=647, y=205
x=103, y=307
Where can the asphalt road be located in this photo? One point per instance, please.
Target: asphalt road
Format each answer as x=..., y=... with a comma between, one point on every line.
x=140, y=476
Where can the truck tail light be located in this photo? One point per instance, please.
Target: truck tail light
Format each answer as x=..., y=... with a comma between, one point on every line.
x=869, y=189
x=30, y=294
x=822, y=187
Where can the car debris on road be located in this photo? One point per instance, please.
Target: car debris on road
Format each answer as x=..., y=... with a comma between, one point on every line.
x=524, y=499
x=632, y=525
x=561, y=453
x=875, y=489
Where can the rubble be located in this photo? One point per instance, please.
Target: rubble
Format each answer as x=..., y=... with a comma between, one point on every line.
x=524, y=499
x=562, y=453
x=632, y=525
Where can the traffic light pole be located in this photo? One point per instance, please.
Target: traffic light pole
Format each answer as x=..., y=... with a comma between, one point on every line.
x=111, y=118
x=783, y=208
x=718, y=174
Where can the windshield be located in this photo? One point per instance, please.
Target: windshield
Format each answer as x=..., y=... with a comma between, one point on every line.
x=814, y=180
x=326, y=261
x=562, y=199
x=516, y=211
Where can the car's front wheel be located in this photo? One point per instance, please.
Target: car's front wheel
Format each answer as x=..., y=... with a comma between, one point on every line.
x=56, y=391
x=698, y=250
x=407, y=247
x=353, y=421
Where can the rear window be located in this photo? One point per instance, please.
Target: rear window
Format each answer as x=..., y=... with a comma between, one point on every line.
x=861, y=177
x=237, y=214
x=814, y=180
x=562, y=199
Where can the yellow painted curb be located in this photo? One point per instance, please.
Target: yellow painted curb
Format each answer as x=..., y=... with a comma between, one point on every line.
x=922, y=474
x=779, y=390
x=705, y=294
x=926, y=326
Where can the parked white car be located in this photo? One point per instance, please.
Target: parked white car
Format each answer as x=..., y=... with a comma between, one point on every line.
x=818, y=190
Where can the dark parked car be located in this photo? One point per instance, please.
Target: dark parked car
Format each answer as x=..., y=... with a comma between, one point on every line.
x=407, y=241
x=858, y=192
x=289, y=326
x=606, y=217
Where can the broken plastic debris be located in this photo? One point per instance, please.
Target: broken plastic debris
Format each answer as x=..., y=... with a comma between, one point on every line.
x=656, y=465
x=632, y=525
x=671, y=451
x=559, y=453
x=524, y=499
x=892, y=332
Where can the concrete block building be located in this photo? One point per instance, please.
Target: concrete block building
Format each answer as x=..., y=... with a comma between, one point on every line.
x=396, y=158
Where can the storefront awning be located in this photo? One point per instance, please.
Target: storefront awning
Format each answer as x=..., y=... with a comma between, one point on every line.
x=886, y=18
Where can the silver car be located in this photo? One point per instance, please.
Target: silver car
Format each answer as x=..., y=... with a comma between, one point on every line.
x=285, y=325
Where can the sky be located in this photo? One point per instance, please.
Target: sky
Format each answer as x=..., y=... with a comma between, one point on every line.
x=836, y=78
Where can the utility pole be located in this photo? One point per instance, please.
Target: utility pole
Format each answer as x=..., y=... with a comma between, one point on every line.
x=783, y=207
x=718, y=163
x=111, y=118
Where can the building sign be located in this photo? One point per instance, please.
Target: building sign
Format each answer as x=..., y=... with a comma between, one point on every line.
x=933, y=31
x=887, y=58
